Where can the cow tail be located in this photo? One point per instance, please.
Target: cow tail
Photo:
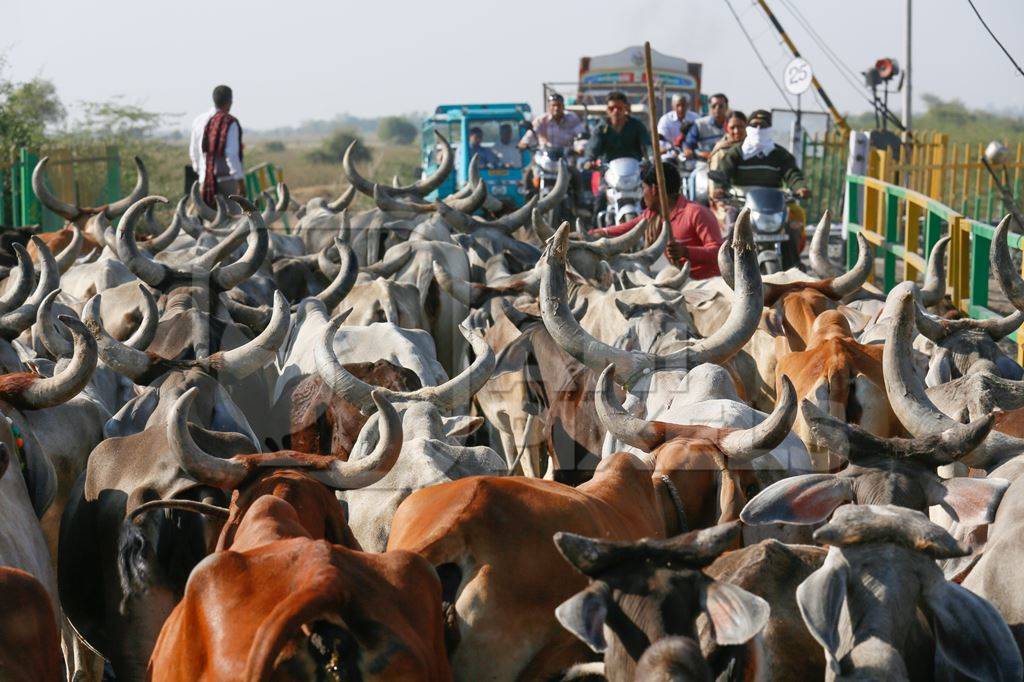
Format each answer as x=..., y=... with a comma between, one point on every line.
x=284, y=623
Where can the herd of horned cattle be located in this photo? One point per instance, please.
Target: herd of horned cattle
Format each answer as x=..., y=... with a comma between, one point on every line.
x=411, y=443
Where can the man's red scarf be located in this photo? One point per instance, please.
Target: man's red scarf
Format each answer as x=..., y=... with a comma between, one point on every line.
x=215, y=139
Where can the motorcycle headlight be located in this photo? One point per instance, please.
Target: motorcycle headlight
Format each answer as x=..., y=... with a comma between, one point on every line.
x=766, y=222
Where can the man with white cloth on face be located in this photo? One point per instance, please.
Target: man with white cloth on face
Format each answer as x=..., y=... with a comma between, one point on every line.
x=759, y=162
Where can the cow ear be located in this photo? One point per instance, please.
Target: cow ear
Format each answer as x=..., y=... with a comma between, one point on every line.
x=584, y=614
x=625, y=308
x=970, y=635
x=970, y=501
x=736, y=615
x=805, y=499
x=820, y=598
x=461, y=426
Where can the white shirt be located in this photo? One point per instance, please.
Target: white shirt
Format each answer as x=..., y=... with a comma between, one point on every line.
x=231, y=149
x=669, y=126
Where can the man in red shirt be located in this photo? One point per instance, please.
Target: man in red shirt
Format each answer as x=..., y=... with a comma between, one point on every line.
x=696, y=234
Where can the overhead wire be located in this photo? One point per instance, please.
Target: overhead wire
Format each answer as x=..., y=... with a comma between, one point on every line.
x=757, y=53
x=993, y=35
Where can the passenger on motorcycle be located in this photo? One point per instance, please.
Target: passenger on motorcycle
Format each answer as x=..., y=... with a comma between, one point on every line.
x=759, y=162
x=556, y=128
x=676, y=123
x=696, y=235
x=707, y=130
x=735, y=133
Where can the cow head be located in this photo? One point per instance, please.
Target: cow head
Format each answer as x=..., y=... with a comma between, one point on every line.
x=693, y=463
x=862, y=604
x=894, y=471
x=88, y=218
x=653, y=591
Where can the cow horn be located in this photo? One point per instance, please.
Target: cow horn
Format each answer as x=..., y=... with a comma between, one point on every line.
x=122, y=358
x=269, y=212
x=324, y=259
x=367, y=470
x=859, y=445
x=344, y=280
x=541, y=227
x=394, y=260
x=146, y=331
x=222, y=215
x=472, y=202
x=13, y=323
x=463, y=292
x=472, y=179
x=207, y=469
x=558, y=191
x=451, y=394
x=284, y=197
x=429, y=184
x=613, y=246
x=519, y=217
x=145, y=268
x=821, y=265
x=67, y=211
x=162, y=240
x=69, y=254
x=222, y=249
x=676, y=281
x=639, y=433
x=725, y=265
x=849, y=282
x=936, y=328
x=203, y=209
x=354, y=178
x=55, y=342
x=747, y=444
x=19, y=287
x=1009, y=280
x=229, y=276
x=388, y=203
x=254, y=355
x=342, y=202
x=649, y=254
x=191, y=227
x=911, y=404
x=68, y=382
x=141, y=189
x=935, y=274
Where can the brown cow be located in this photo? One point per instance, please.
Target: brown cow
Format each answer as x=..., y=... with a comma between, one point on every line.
x=289, y=594
x=503, y=594
x=29, y=646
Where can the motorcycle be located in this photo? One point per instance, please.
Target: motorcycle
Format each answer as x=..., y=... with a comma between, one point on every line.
x=769, y=216
x=546, y=160
x=623, y=193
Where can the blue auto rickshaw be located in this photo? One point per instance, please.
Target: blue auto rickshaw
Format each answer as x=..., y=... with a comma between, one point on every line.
x=503, y=172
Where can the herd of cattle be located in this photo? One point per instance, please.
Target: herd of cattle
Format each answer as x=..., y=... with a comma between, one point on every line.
x=411, y=443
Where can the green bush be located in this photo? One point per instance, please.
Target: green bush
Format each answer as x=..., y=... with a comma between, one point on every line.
x=274, y=146
x=334, y=145
x=396, y=130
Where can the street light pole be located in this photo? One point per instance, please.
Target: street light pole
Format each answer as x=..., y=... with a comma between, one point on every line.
x=907, y=73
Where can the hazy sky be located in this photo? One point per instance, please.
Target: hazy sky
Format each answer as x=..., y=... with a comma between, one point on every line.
x=293, y=60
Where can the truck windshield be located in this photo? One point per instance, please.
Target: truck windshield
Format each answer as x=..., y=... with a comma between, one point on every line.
x=501, y=137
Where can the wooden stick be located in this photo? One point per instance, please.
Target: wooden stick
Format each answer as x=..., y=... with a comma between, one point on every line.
x=656, y=147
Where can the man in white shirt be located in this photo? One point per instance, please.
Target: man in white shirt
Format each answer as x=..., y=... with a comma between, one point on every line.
x=673, y=123
x=217, y=138
x=507, y=151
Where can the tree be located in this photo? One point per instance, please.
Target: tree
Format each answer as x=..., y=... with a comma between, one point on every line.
x=27, y=110
x=396, y=130
x=334, y=146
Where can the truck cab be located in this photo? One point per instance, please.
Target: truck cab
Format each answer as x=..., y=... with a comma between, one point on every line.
x=499, y=127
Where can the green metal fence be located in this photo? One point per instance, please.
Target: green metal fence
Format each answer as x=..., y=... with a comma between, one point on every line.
x=824, y=165
x=86, y=177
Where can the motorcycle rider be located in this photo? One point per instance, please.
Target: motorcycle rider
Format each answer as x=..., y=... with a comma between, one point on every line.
x=735, y=133
x=696, y=235
x=759, y=162
x=618, y=136
x=556, y=128
x=707, y=130
x=676, y=123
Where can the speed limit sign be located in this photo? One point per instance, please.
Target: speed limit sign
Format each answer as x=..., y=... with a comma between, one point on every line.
x=798, y=76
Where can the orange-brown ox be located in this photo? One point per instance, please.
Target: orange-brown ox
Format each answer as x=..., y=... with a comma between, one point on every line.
x=490, y=537
x=289, y=594
x=29, y=646
x=826, y=364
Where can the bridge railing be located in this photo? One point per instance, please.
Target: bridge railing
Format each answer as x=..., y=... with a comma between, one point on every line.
x=264, y=178
x=903, y=225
